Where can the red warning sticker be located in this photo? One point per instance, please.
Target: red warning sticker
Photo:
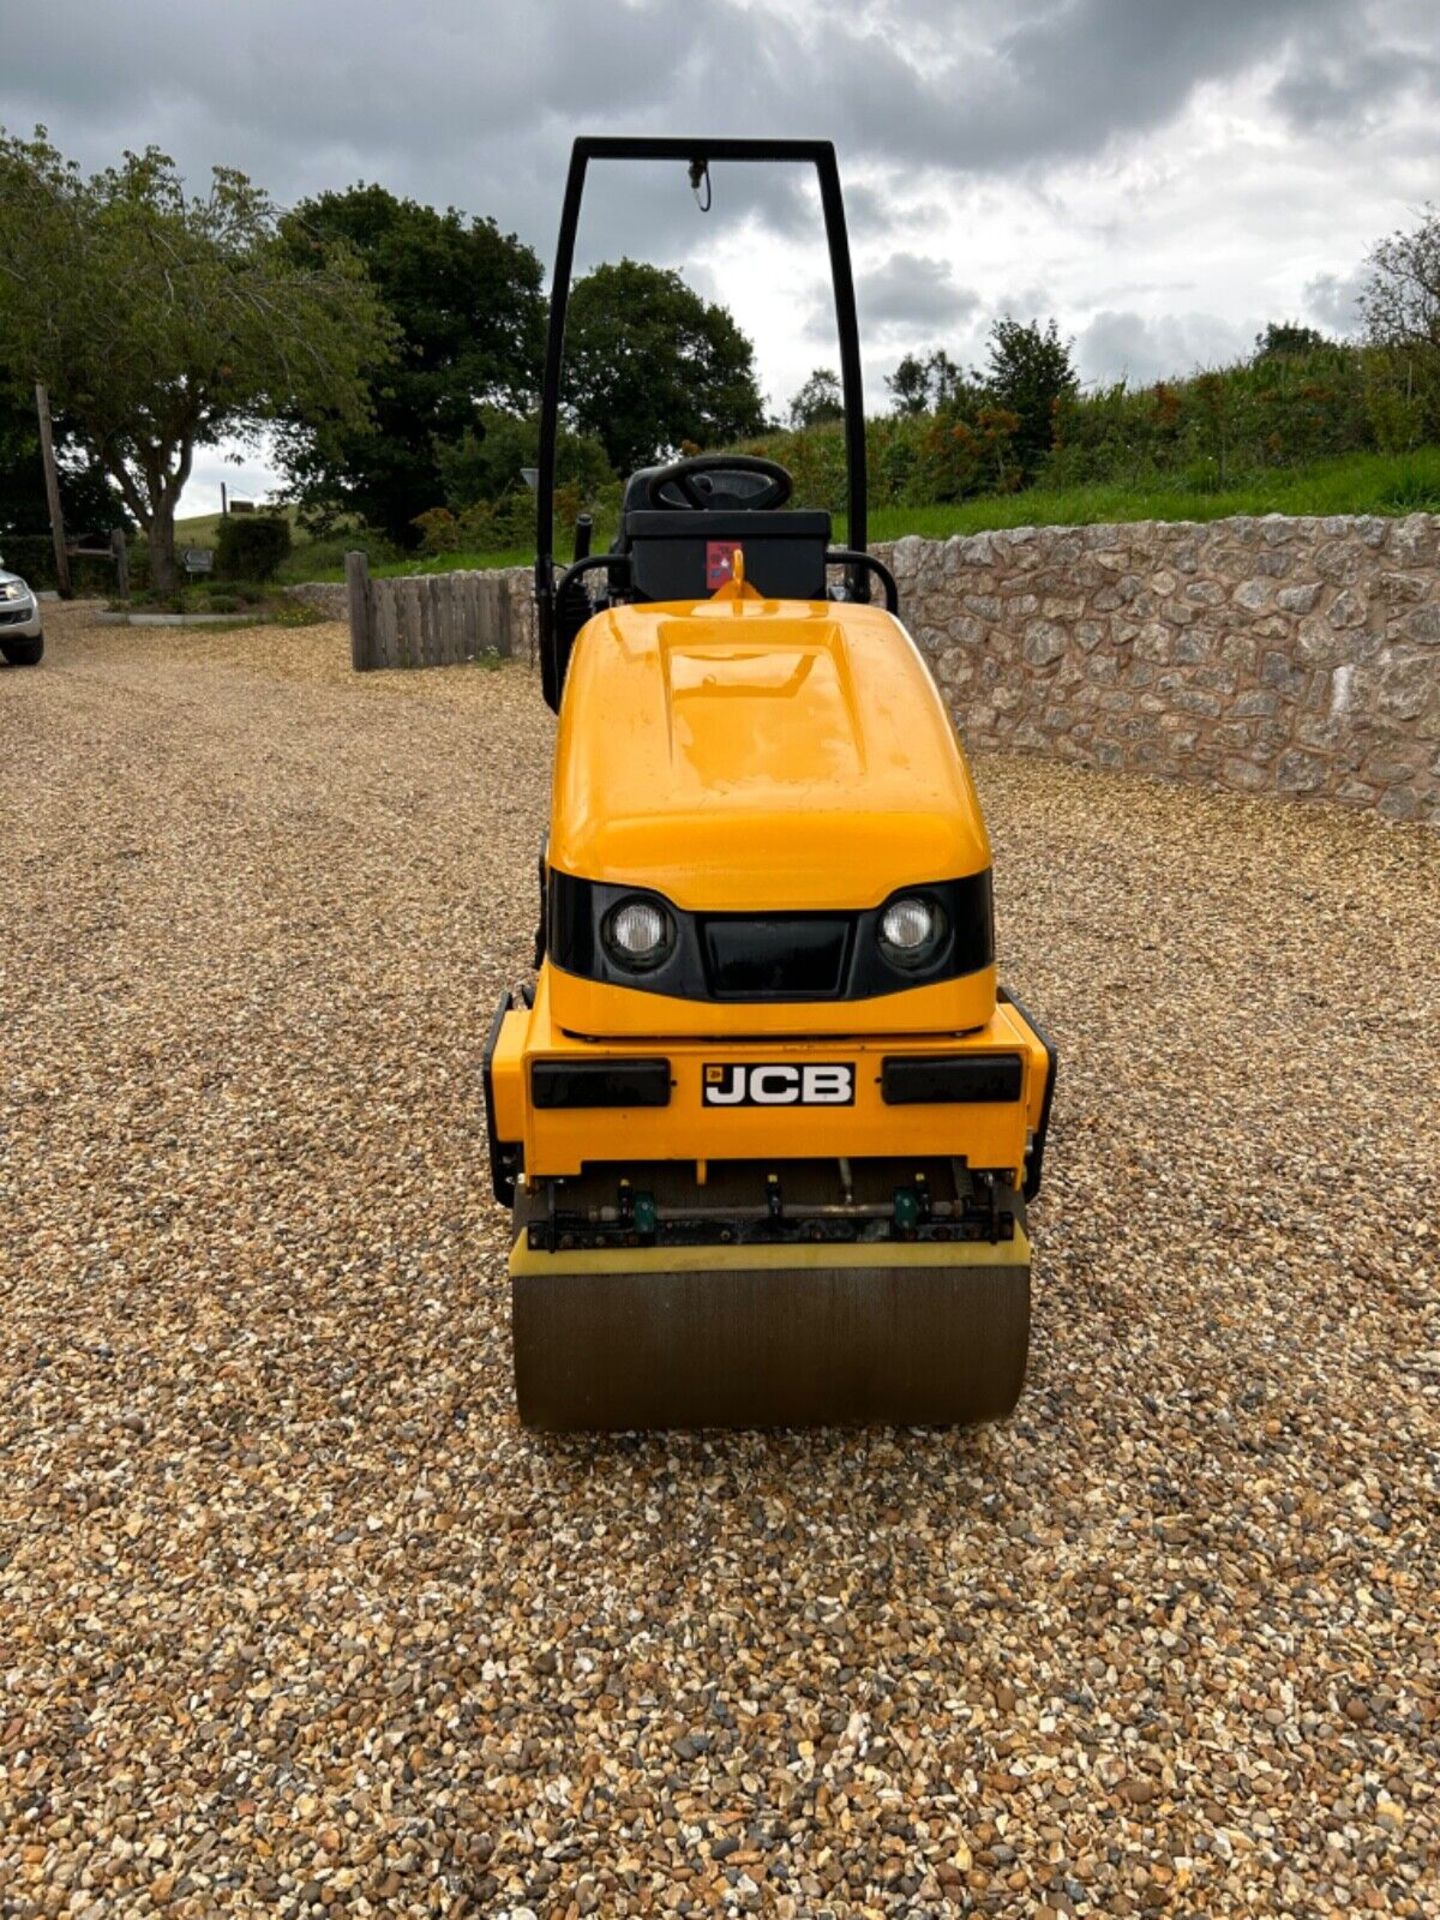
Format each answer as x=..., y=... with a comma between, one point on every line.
x=719, y=562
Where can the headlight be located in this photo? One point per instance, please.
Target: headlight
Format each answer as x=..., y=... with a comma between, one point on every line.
x=638, y=934
x=14, y=590
x=910, y=931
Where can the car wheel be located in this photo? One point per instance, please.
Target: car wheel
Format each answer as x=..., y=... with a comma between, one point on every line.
x=23, y=653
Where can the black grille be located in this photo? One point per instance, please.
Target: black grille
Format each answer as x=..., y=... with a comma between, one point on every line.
x=790, y=958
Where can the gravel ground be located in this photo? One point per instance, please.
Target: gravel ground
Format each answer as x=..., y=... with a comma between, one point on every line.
x=293, y=1617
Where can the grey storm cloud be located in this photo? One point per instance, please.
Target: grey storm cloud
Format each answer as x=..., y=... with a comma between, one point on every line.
x=908, y=299
x=475, y=105
x=914, y=292
x=1347, y=86
x=983, y=143
x=1333, y=299
x=1127, y=346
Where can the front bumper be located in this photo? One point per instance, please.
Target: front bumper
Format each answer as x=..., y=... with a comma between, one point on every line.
x=18, y=622
x=996, y=1119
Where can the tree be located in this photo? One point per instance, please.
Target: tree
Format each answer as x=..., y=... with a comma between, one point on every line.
x=1029, y=375
x=819, y=400
x=909, y=386
x=1287, y=340
x=87, y=499
x=1400, y=302
x=947, y=381
x=162, y=322
x=649, y=364
x=487, y=462
x=466, y=299
x=924, y=386
x=1400, y=305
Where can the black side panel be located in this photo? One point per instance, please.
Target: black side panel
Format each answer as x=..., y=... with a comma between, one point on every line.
x=1035, y=1161
x=504, y=1161
x=572, y=608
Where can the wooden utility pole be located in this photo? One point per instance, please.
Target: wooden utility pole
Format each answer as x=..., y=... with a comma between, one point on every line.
x=224, y=503
x=122, y=563
x=52, y=493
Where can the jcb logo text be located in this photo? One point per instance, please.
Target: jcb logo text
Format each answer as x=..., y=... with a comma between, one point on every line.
x=779, y=1085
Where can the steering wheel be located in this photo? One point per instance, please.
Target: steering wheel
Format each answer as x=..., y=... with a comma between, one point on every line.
x=682, y=474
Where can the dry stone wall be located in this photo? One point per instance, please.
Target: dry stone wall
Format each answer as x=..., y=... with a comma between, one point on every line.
x=1293, y=656
x=325, y=596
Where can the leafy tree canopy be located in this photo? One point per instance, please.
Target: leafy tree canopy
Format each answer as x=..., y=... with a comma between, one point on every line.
x=87, y=499
x=650, y=364
x=924, y=385
x=488, y=460
x=1029, y=374
x=466, y=300
x=1401, y=298
x=1400, y=304
x=1287, y=340
x=161, y=322
x=820, y=399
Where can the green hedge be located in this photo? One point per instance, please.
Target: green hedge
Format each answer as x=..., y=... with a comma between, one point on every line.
x=1211, y=431
x=251, y=546
x=32, y=555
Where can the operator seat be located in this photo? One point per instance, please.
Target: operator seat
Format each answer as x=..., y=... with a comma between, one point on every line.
x=678, y=553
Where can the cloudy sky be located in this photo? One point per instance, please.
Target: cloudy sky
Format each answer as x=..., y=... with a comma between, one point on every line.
x=1163, y=176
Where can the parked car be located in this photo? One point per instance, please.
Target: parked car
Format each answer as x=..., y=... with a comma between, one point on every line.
x=21, y=640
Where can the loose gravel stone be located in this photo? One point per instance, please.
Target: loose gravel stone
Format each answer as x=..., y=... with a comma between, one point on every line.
x=294, y=1619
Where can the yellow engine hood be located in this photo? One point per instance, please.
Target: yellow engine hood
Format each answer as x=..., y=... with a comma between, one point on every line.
x=744, y=753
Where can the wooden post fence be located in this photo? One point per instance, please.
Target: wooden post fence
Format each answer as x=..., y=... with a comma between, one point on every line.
x=357, y=585
x=428, y=619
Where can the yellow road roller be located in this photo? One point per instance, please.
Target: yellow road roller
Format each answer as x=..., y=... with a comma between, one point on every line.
x=766, y=1123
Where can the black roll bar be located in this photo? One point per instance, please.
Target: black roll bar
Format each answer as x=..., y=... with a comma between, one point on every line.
x=855, y=559
x=696, y=153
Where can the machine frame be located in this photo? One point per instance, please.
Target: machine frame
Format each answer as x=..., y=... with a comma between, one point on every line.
x=697, y=155
x=767, y=1166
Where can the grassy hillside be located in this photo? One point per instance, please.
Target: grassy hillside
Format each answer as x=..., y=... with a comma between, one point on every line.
x=200, y=530
x=1358, y=483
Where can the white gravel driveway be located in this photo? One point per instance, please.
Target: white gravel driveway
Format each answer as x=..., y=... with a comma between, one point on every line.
x=294, y=1618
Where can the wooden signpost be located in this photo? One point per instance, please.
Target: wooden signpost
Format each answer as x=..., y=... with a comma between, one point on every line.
x=113, y=551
